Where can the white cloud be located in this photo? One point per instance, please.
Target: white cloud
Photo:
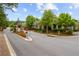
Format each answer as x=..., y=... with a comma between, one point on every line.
x=40, y=6
x=65, y=12
x=14, y=9
x=50, y=6
x=70, y=7
x=39, y=17
x=57, y=15
x=45, y=6
x=76, y=5
x=70, y=13
x=41, y=11
x=25, y=10
x=30, y=4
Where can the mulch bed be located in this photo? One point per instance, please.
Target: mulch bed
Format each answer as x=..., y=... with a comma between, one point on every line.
x=3, y=46
x=21, y=34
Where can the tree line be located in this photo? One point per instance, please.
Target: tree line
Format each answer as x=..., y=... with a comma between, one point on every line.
x=64, y=22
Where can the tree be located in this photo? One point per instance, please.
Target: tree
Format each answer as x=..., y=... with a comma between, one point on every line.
x=9, y=5
x=48, y=19
x=30, y=21
x=65, y=20
x=3, y=16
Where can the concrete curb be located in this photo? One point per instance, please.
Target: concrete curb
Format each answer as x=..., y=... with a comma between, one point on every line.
x=11, y=50
x=52, y=35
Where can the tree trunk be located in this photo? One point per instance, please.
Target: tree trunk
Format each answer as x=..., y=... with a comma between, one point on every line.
x=47, y=29
x=52, y=27
x=65, y=28
x=56, y=26
x=58, y=30
x=42, y=27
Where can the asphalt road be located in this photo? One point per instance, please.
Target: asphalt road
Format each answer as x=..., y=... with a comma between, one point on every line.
x=42, y=45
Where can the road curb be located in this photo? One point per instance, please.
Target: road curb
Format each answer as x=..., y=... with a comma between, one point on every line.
x=11, y=50
x=52, y=35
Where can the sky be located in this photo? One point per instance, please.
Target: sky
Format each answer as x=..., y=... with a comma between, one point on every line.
x=37, y=9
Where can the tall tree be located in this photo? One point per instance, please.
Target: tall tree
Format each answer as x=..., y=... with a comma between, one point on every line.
x=3, y=16
x=30, y=21
x=48, y=19
x=65, y=20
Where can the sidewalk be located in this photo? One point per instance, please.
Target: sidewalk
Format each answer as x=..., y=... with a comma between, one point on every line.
x=4, y=51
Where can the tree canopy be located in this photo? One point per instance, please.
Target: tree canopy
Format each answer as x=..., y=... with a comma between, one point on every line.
x=66, y=20
x=3, y=16
x=48, y=19
x=30, y=21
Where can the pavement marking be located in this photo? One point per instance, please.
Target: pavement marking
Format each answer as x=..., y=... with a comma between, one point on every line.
x=11, y=50
x=27, y=39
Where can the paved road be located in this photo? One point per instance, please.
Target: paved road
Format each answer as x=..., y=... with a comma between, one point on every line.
x=42, y=45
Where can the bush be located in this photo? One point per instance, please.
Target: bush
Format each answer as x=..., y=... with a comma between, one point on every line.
x=39, y=30
x=69, y=32
x=11, y=29
x=56, y=30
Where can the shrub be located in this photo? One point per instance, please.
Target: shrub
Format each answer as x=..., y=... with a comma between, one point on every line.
x=69, y=32
x=39, y=30
x=56, y=30
x=11, y=28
